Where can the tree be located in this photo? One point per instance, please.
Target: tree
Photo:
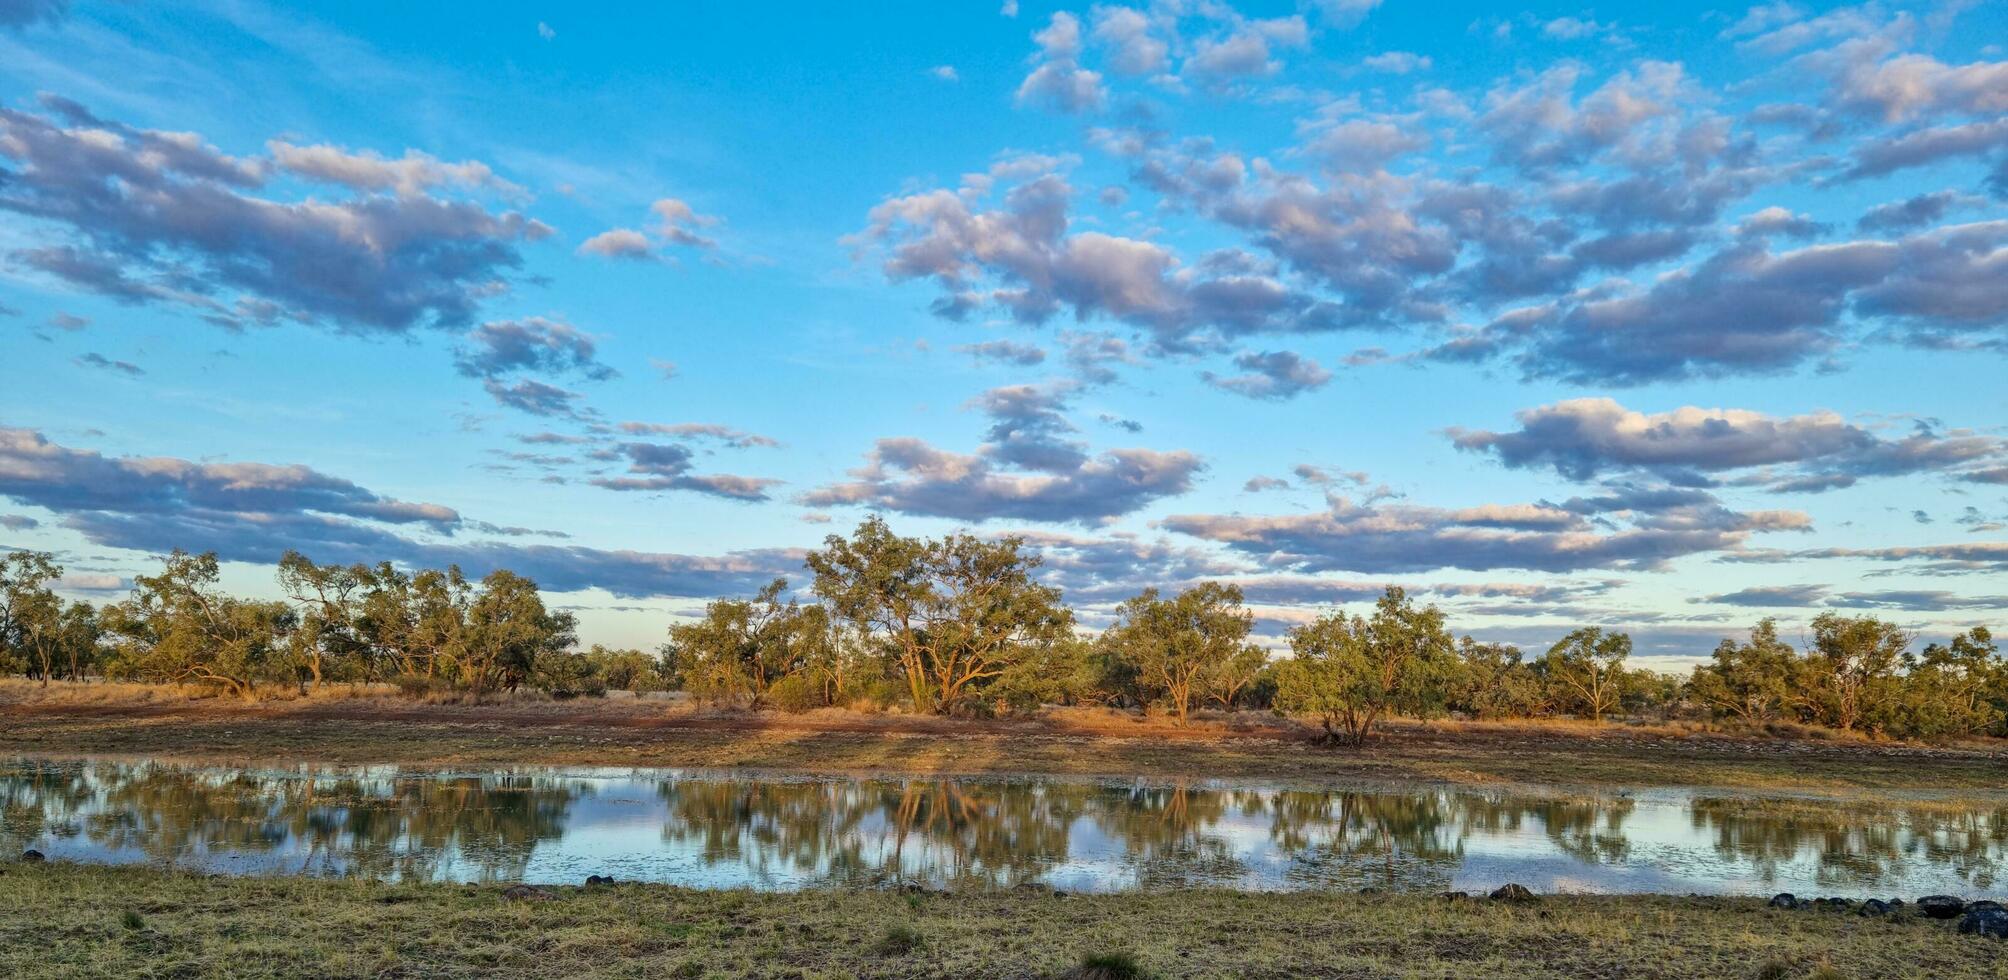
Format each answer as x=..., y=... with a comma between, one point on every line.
x=1353, y=672
x=24, y=600
x=507, y=628
x=1951, y=688
x=1180, y=645
x=178, y=629
x=1236, y=676
x=1853, y=662
x=1497, y=682
x=1751, y=682
x=1588, y=666
x=330, y=599
x=742, y=648
x=955, y=613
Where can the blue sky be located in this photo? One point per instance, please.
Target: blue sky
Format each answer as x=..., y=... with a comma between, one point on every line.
x=1659, y=319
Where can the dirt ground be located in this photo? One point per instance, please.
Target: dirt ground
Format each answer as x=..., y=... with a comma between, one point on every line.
x=344, y=727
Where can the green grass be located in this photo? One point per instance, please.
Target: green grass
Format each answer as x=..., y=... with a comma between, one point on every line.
x=61, y=920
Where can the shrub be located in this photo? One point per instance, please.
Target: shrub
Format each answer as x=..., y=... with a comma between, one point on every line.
x=1110, y=965
x=898, y=941
x=795, y=693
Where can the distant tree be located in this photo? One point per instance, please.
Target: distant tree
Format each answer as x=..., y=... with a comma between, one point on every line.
x=24, y=598
x=1951, y=689
x=1853, y=664
x=507, y=629
x=81, y=633
x=955, y=613
x=330, y=599
x=1588, y=667
x=1750, y=682
x=628, y=670
x=741, y=648
x=1353, y=672
x=178, y=629
x=1497, y=682
x=1238, y=676
x=1179, y=646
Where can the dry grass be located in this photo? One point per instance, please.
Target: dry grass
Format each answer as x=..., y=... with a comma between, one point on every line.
x=69, y=921
x=344, y=725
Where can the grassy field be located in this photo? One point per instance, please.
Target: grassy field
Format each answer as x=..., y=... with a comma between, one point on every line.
x=69, y=921
x=126, y=720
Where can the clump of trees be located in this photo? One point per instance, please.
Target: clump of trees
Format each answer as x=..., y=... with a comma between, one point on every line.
x=962, y=625
x=429, y=631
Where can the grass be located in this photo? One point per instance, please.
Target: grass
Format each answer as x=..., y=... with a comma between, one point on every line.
x=337, y=728
x=71, y=920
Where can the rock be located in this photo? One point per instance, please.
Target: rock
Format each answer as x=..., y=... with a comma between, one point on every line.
x=1874, y=906
x=1511, y=892
x=31, y=855
x=599, y=880
x=1983, y=905
x=1834, y=904
x=1784, y=900
x=1940, y=906
x=1454, y=896
x=1986, y=922
x=526, y=893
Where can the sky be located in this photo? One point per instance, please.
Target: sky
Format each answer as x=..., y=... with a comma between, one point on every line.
x=1658, y=317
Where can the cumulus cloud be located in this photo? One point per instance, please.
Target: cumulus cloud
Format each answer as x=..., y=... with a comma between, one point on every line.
x=1058, y=82
x=1028, y=468
x=677, y=224
x=1021, y=257
x=1246, y=51
x=536, y=398
x=659, y=466
x=255, y=512
x=164, y=217
x=1623, y=530
x=532, y=344
x=1585, y=438
x=412, y=175
x=1272, y=375
x=1914, y=212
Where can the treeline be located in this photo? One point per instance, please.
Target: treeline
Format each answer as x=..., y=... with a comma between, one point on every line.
x=960, y=625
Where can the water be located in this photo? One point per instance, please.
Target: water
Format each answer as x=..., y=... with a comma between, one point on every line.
x=703, y=830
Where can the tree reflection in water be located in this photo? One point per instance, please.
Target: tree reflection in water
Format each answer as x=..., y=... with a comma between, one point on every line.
x=353, y=823
x=952, y=833
x=1858, y=845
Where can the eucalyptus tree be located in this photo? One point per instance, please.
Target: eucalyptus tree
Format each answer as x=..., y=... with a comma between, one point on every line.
x=1352, y=672
x=743, y=647
x=24, y=596
x=1180, y=646
x=1588, y=666
x=178, y=628
x=954, y=613
x=1853, y=663
x=507, y=628
x=330, y=600
x=1751, y=682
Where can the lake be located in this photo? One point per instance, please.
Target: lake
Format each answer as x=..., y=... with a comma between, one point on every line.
x=711, y=830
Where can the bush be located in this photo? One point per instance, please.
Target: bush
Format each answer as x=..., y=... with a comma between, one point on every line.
x=898, y=941
x=795, y=693
x=568, y=675
x=1111, y=965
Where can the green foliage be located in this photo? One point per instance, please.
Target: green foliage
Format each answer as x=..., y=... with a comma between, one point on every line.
x=898, y=940
x=1181, y=649
x=742, y=648
x=568, y=674
x=796, y=693
x=1353, y=672
x=954, y=613
x=1587, y=672
x=178, y=629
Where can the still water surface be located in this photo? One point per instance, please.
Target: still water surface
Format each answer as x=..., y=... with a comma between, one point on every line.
x=703, y=830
